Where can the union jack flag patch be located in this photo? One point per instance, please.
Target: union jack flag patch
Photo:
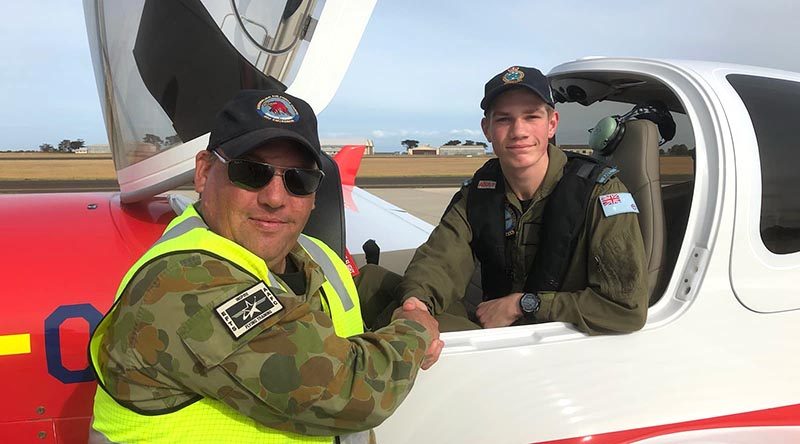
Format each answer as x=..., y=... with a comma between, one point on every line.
x=618, y=203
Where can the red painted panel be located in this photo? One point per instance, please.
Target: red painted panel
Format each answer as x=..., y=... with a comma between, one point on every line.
x=63, y=256
x=29, y=432
x=72, y=431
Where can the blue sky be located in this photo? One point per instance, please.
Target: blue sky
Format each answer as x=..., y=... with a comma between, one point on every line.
x=420, y=68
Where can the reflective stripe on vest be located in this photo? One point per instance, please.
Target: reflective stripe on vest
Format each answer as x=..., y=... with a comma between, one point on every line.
x=210, y=420
x=315, y=251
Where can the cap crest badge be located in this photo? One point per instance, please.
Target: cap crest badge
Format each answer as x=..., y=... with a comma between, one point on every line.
x=278, y=109
x=513, y=75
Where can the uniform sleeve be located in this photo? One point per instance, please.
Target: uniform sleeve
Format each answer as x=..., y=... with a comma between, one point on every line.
x=442, y=267
x=290, y=372
x=616, y=298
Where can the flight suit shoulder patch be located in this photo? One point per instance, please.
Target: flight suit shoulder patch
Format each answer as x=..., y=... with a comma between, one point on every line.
x=617, y=203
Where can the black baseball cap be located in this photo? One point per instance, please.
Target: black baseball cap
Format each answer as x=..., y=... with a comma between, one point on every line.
x=517, y=77
x=254, y=117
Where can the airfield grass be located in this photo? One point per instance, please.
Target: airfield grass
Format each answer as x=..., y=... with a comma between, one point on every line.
x=46, y=166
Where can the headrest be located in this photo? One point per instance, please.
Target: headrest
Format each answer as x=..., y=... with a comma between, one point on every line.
x=608, y=132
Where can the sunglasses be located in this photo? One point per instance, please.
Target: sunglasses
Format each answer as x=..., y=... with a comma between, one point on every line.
x=251, y=175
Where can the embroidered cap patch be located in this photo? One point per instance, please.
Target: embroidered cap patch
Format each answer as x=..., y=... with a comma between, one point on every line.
x=247, y=309
x=513, y=75
x=618, y=203
x=278, y=109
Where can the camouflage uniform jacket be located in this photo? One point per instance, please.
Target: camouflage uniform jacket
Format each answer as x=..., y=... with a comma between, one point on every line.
x=605, y=288
x=297, y=375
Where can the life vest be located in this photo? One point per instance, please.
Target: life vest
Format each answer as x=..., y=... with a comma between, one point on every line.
x=207, y=420
x=562, y=221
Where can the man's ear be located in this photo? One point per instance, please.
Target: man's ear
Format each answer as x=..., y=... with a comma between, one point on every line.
x=485, y=128
x=202, y=165
x=552, y=125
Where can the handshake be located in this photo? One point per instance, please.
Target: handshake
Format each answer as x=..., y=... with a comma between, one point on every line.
x=415, y=310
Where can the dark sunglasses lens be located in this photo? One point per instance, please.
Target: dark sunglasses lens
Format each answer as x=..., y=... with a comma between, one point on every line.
x=302, y=182
x=249, y=175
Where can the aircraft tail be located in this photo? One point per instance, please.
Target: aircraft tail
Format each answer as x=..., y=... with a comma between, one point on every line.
x=349, y=160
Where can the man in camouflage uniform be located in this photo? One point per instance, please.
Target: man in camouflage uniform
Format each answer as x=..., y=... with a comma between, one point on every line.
x=601, y=285
x=234, y=326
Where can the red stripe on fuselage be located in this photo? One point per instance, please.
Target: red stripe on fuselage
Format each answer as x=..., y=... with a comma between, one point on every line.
x=779, y=416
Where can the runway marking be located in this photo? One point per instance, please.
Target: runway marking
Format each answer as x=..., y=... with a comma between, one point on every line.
x=15, y=344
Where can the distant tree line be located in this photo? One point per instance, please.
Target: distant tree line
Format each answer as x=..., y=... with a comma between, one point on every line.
x=70, y=146
x=65, y=146
x=158, y=142
x=410, y=143
x=677, y=150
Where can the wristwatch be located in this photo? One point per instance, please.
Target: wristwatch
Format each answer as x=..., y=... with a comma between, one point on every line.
x=529, y=303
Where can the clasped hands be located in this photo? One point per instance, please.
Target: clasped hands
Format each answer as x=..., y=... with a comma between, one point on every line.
x=415, y=310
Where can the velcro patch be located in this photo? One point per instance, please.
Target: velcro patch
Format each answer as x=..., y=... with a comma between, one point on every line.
x=487, y=185
x=618, y=203
x=607, y=174
x=247, y=309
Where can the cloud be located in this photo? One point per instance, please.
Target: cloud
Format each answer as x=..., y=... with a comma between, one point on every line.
x=379, y=134
x=466, y=132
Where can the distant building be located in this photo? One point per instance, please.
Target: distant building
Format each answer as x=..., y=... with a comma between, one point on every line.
x=332, y=146
x=98, y=149
x=423, y=150
x=580, y=149
x=94, y=149
x=462, y=150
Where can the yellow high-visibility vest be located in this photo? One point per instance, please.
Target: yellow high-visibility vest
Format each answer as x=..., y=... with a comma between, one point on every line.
x=209, y=420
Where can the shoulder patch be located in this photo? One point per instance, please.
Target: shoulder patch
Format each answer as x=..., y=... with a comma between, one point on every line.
x=466, y=183
x=607, y=174
x=247, y=309
x=487, y=185
x=618, y=203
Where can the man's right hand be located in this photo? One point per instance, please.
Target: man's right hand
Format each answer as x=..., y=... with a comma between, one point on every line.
x=415, y=310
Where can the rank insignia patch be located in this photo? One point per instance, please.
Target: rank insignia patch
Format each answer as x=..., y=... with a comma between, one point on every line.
x=513, y=75
x=487, y=185
x=247, y=309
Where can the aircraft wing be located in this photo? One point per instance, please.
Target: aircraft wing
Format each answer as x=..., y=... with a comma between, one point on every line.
x=395, y=230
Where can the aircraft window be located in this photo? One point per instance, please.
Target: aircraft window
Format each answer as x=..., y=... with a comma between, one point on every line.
x=170, y=65
x=773, y=108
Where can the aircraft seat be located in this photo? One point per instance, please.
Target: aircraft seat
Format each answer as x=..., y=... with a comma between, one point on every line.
x=636, y=155
x=327, y=219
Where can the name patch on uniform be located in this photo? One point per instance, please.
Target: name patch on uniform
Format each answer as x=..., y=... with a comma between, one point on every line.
x=487, y=185
x=618, y=203
x=247, y=309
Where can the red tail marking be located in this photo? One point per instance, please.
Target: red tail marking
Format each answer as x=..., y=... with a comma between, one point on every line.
x=349, y=160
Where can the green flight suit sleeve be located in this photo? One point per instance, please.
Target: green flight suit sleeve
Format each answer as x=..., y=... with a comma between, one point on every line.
x=616, y=297
x=441, y=268
x=291, y=372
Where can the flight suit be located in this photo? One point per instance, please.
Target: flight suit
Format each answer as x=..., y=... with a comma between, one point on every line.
x=605, y=287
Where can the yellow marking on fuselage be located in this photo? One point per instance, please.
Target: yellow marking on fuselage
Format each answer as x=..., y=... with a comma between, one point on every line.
x=15, y=344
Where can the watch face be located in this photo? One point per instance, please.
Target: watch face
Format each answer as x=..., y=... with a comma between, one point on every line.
x=529, y=303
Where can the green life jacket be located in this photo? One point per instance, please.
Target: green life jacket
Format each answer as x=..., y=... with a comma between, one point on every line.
x=207, y=420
